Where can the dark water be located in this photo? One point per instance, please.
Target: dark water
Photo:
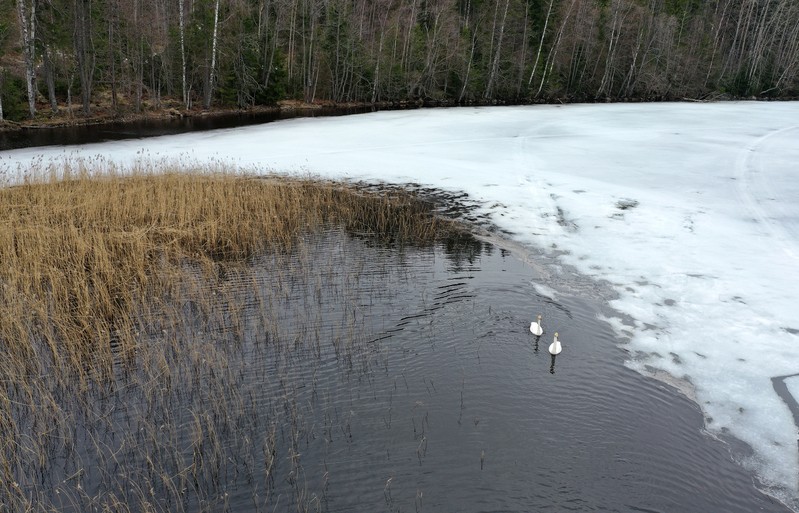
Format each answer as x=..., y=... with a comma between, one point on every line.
x=385, y=379
x=31, y=137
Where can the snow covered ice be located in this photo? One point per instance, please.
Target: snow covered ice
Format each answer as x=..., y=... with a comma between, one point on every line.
x=690, y=211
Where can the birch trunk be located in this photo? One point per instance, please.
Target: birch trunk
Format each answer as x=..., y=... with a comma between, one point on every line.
x=524, y=51
x=468, y=66
x=550, y=62
x=27, y=29
x=309, y=54
x=182, y=28
x=615, y=32
x=406, y=47
x=378, y=59
x=541, y=43
x=2, y=72
x=720, y=24
x=209, y=90
x=492, y=77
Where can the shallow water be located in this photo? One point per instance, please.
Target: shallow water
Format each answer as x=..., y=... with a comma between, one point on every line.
x=374, y=378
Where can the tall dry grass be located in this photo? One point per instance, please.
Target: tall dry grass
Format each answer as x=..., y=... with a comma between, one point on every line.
x=89, y=263
x=76, y=252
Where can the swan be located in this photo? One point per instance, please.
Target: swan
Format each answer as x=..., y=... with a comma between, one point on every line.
x=536, y=328
x=554, y=347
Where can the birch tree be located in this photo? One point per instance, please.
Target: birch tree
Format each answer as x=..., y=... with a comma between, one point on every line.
x=3, y=35
x=2, y=79
x=492, y=75
x=310, y=50
x=617, y=23
x=382, y=29
x=553, y=51
x=269, y=29
x=182, y=37
x=541, y=43
x=26, y=11
x=209, y=88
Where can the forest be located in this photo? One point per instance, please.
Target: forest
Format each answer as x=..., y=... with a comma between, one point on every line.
x=134, y=56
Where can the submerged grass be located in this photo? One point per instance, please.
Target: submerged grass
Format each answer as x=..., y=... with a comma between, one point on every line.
x=91, y=265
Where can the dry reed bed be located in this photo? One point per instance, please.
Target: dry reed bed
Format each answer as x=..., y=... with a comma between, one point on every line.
x=76, y=252
x=98, y=273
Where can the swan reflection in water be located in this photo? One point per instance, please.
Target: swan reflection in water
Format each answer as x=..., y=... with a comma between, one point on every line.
x=554, y=349
x=536, y=328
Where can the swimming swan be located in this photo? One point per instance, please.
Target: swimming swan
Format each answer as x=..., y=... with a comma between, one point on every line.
x=536, y=328
x=554, y=347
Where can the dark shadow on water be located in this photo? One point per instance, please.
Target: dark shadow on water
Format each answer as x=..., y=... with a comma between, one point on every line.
x=84, y=134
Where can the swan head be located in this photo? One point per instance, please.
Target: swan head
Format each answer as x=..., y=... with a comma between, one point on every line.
x=554, y=347
x=536, y=328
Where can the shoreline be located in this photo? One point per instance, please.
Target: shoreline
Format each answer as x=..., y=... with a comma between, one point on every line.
x=172, y=110
x=70, y=120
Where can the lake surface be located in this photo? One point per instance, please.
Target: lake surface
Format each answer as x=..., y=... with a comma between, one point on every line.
x=587, y=186
x=349, y=376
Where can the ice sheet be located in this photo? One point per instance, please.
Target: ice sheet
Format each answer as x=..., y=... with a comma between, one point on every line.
x=689, y=210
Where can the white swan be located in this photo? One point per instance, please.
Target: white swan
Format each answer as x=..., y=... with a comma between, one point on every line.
x=536, y=328
x=554, y=347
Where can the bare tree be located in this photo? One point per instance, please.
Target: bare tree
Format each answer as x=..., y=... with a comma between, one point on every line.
x=310, y=67
x=541, y=43
x=2, y=79
x=84, y=51
x=379, y=56
x=182, y=36
x=788, y=50
x=469, y=62
x=209, y=88
x=49, y=40
x=523, y=55
x=492, y=75
x=3, y=35
x=553, y=51
x=617, y=23
x=26, y=11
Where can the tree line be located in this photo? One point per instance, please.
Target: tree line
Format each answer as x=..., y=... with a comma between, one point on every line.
x=132, y=55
